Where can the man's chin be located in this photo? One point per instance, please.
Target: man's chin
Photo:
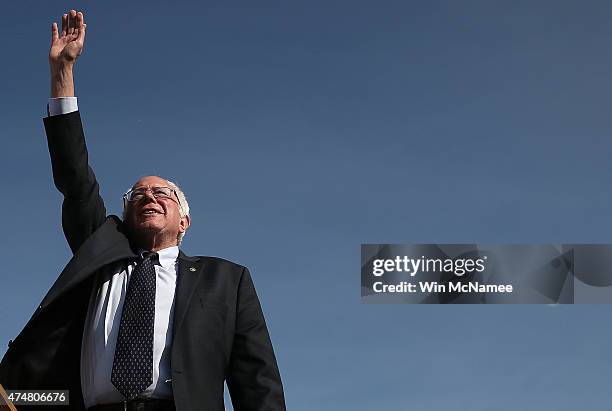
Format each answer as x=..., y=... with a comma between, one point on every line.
x=148, y=227
x=145, y=227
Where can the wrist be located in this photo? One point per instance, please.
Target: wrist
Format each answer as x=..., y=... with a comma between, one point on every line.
x=62, y=83
x=62, y=70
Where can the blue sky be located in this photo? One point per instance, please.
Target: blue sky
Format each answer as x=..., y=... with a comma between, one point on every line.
x=300, y=130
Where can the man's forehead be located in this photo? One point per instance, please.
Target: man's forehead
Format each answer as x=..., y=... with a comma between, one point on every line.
x=152, y=181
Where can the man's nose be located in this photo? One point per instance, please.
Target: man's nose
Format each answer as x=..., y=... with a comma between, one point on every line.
x=148, y=196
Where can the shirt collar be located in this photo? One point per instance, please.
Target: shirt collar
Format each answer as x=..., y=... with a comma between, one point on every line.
x=166, y=256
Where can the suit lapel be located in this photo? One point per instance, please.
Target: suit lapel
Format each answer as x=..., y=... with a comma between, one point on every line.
x=189, y=269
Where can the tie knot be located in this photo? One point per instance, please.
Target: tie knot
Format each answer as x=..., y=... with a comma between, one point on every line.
x=148, y=255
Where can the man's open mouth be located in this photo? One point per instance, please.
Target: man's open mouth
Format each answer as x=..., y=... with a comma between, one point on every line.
x=151, y=212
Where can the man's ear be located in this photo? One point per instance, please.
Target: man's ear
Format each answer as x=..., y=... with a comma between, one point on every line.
x=184, y=224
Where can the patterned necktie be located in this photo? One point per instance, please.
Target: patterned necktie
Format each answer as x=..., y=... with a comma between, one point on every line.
x=133, y=363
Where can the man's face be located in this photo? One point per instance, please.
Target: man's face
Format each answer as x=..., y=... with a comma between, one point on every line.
x=155, y=216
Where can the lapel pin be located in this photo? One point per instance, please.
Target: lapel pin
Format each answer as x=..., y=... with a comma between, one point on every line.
x=192, y=269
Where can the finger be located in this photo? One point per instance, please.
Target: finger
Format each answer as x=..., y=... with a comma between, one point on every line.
x=80, y=19
x=81, y=37
x=64, y=24
x=54, y=33
x=78, y=24
x=69, y=24
x=72, y=22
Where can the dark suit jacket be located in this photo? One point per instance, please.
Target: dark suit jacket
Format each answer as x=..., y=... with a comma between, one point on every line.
x=219, y=330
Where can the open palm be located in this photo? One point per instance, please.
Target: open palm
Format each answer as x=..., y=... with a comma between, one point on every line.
x=67, y=45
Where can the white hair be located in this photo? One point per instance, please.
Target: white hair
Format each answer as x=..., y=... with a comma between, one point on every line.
x=183, y=207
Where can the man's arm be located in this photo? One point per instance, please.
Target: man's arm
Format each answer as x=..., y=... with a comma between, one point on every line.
x=253, y=381
x=83, y=210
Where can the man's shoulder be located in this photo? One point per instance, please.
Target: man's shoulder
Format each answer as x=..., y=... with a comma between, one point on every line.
x=216, y=262
x=214, y=265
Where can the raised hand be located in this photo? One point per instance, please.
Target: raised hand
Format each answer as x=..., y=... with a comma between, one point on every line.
x=67, y=46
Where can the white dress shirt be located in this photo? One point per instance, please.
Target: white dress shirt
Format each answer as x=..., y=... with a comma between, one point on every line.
x=104, y=317
x=102, y=327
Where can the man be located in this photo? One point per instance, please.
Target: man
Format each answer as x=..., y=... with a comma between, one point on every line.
x=132, y=322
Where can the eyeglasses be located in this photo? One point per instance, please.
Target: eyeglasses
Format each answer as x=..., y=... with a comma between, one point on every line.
x=137, y=194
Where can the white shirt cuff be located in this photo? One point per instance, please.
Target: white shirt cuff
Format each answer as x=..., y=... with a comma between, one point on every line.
x=62, y=105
